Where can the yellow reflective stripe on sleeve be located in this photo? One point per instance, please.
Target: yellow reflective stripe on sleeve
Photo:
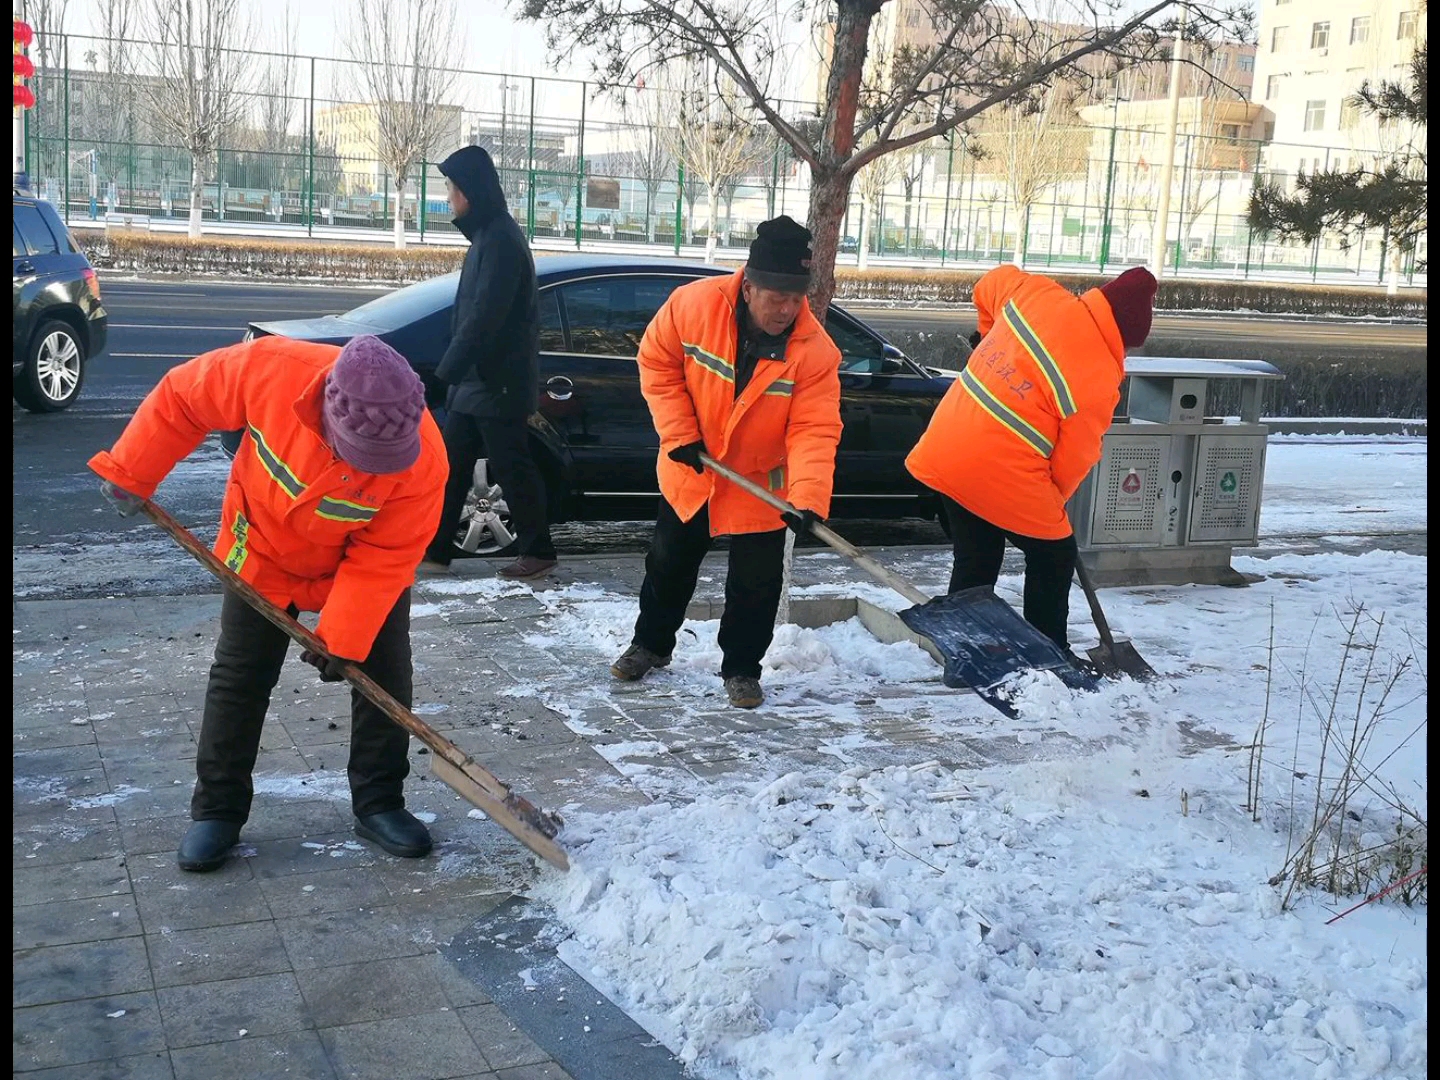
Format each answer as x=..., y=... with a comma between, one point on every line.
x=1059, y=388
x=716, y=365
x=775, y=481
x=342, y=510
x=1008, y=417
x=781, y=388
x=278, y=470
x=239, y=551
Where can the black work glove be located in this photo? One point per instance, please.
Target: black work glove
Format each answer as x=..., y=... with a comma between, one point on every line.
x=975, y=339
x=689, y=454
x=330, y=667
x=126, y=503
x=801, y=522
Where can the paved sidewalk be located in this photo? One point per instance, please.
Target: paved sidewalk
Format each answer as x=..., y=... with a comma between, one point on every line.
x=313, y=956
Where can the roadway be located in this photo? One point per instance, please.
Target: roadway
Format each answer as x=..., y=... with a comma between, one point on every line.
x=157, y=324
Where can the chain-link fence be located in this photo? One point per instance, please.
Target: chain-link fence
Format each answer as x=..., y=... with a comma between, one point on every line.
x=588, y=168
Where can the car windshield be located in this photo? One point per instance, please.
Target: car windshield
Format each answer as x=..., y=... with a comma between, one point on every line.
x=408, y=305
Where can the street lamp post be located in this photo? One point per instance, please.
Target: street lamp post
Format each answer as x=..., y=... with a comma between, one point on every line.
x=1109, y=182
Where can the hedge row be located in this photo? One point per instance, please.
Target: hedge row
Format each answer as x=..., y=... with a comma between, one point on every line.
x=144, y=252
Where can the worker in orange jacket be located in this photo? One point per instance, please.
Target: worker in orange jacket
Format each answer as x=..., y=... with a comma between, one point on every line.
x=1023, y=424
x=332, y=497
x=739, y=368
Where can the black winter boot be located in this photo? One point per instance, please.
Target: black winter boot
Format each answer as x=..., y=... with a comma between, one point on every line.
x=397, y=831
x=207, y=844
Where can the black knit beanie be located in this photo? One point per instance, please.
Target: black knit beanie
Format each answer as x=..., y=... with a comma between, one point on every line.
x=780, y=256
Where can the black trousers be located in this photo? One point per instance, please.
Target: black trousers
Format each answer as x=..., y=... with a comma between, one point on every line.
x=752, y=589
x=248, y=658
x=1049, y=568
x=505, y=444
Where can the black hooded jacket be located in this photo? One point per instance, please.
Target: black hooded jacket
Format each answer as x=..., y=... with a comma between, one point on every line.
x=493, y=360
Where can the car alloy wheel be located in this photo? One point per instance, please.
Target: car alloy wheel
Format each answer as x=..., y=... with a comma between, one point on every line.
x=53, y=371
x=485, y=526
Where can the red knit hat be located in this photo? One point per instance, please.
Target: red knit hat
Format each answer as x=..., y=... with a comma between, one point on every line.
x=1132, y=302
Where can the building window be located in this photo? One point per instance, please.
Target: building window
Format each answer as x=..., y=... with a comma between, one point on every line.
x=1315, y=115
x=1349, y=115
x=1277, y=38
x=1408, y=21
x=1230, y=132
x=1360, y=30
x=1269, y=131
x=1246, y=62
x=1272, y=87
x=1320, y=35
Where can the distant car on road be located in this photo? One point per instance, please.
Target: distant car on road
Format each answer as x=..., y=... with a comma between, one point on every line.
x=593, y=434
x=59, y=324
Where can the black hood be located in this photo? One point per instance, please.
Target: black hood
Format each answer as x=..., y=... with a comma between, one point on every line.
x=471, y=170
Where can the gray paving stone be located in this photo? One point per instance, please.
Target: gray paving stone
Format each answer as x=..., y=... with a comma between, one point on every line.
x=375, y=990
x=150, y=836
x=433, y=1046
x=87, y=1030
x=331, y=889
x=232, y=1009
x=503, y=1044
x=44, y=976
x=459, y=991
x=546, y=1070
x=349, y=937
x=185, y=957
x=170, y=898
x=274, y=818
x=334, y=850
x=51, y=736
x=172, y=797
x=77, y=881
x=67, y=759
x=55, y=793
x=67, y=836
x=295, y=1055
x=73, y=921
x=142, y=1067
x=122, y=753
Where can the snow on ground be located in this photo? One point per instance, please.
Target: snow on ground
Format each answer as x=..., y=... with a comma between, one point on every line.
x=1335, y=484
x=1097, y=915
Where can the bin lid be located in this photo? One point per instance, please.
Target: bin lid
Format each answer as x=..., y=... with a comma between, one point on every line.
x=1167, y=367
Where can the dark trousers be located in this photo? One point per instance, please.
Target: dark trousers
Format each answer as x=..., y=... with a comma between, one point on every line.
x=752, y=589
x=1049, y=567
x=505, y=444
x=248, y=658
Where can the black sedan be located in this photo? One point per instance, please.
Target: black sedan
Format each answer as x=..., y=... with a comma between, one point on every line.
x=593, y=434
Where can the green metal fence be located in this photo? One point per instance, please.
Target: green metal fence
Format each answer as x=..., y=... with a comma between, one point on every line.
x=581, y=168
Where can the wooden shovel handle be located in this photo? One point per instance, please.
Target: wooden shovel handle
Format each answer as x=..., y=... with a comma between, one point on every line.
x=824, y=533
x=1096, y=612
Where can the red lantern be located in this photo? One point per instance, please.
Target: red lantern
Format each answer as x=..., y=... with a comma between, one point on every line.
x=24, y=36
x=24, y=68
x=24, y=98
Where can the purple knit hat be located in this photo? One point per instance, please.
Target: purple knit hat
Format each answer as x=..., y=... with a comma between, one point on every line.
x=373, y=405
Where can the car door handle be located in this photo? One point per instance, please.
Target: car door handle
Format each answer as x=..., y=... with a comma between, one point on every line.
x=24, y=266
x=559, y=388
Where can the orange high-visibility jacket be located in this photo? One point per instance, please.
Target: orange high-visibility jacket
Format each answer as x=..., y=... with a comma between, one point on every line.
x=1022, y=425
x=782, y=431
x=300, y=525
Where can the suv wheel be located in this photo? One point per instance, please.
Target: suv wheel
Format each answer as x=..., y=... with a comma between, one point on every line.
x=54, y=369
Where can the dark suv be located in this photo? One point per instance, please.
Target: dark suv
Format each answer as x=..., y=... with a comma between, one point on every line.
x=58, y=321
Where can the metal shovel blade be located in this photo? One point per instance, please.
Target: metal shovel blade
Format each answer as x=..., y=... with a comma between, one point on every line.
x=985, y=642
x=1119, y=658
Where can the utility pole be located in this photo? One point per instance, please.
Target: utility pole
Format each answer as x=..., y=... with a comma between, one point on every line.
x=1167, y=172
x=1105, y=226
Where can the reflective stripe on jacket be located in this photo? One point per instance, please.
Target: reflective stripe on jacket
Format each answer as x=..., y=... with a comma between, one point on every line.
x=297, y=523
x=782, y=431
x=1023, y=423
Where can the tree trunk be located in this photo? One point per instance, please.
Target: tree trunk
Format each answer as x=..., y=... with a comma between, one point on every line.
x=400, y=212
x=711, y=221
x=197, y=195
x=862, y=257
x=649, y=214
x=829, y=196
x=1022, y=236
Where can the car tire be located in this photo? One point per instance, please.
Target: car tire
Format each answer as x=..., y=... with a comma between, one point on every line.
x=54, y=369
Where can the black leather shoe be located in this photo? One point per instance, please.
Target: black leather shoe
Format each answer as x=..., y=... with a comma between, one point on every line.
x=397, y=831
x=207, y=844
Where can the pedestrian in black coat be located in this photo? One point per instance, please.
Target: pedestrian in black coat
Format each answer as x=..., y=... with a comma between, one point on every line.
x=493, y=367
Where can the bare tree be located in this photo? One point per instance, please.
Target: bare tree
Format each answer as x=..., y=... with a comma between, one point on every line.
x=643, y=111
x=1035, y=145
x=108, y=115
x=878, y=175
x=405, y=52
x=201, y=81
x=712, y=138
x=971, y=57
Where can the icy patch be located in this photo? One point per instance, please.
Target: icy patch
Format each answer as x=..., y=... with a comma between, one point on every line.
x=316, y=785
x=111, y=798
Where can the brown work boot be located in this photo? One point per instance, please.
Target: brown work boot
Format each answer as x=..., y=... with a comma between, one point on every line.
x=527, y=568
x=744, y=692
x=635, y=662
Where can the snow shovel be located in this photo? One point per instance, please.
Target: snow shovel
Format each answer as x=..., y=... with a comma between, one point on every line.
x=983, y=639
x=1111, y=658
x=525, y=821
